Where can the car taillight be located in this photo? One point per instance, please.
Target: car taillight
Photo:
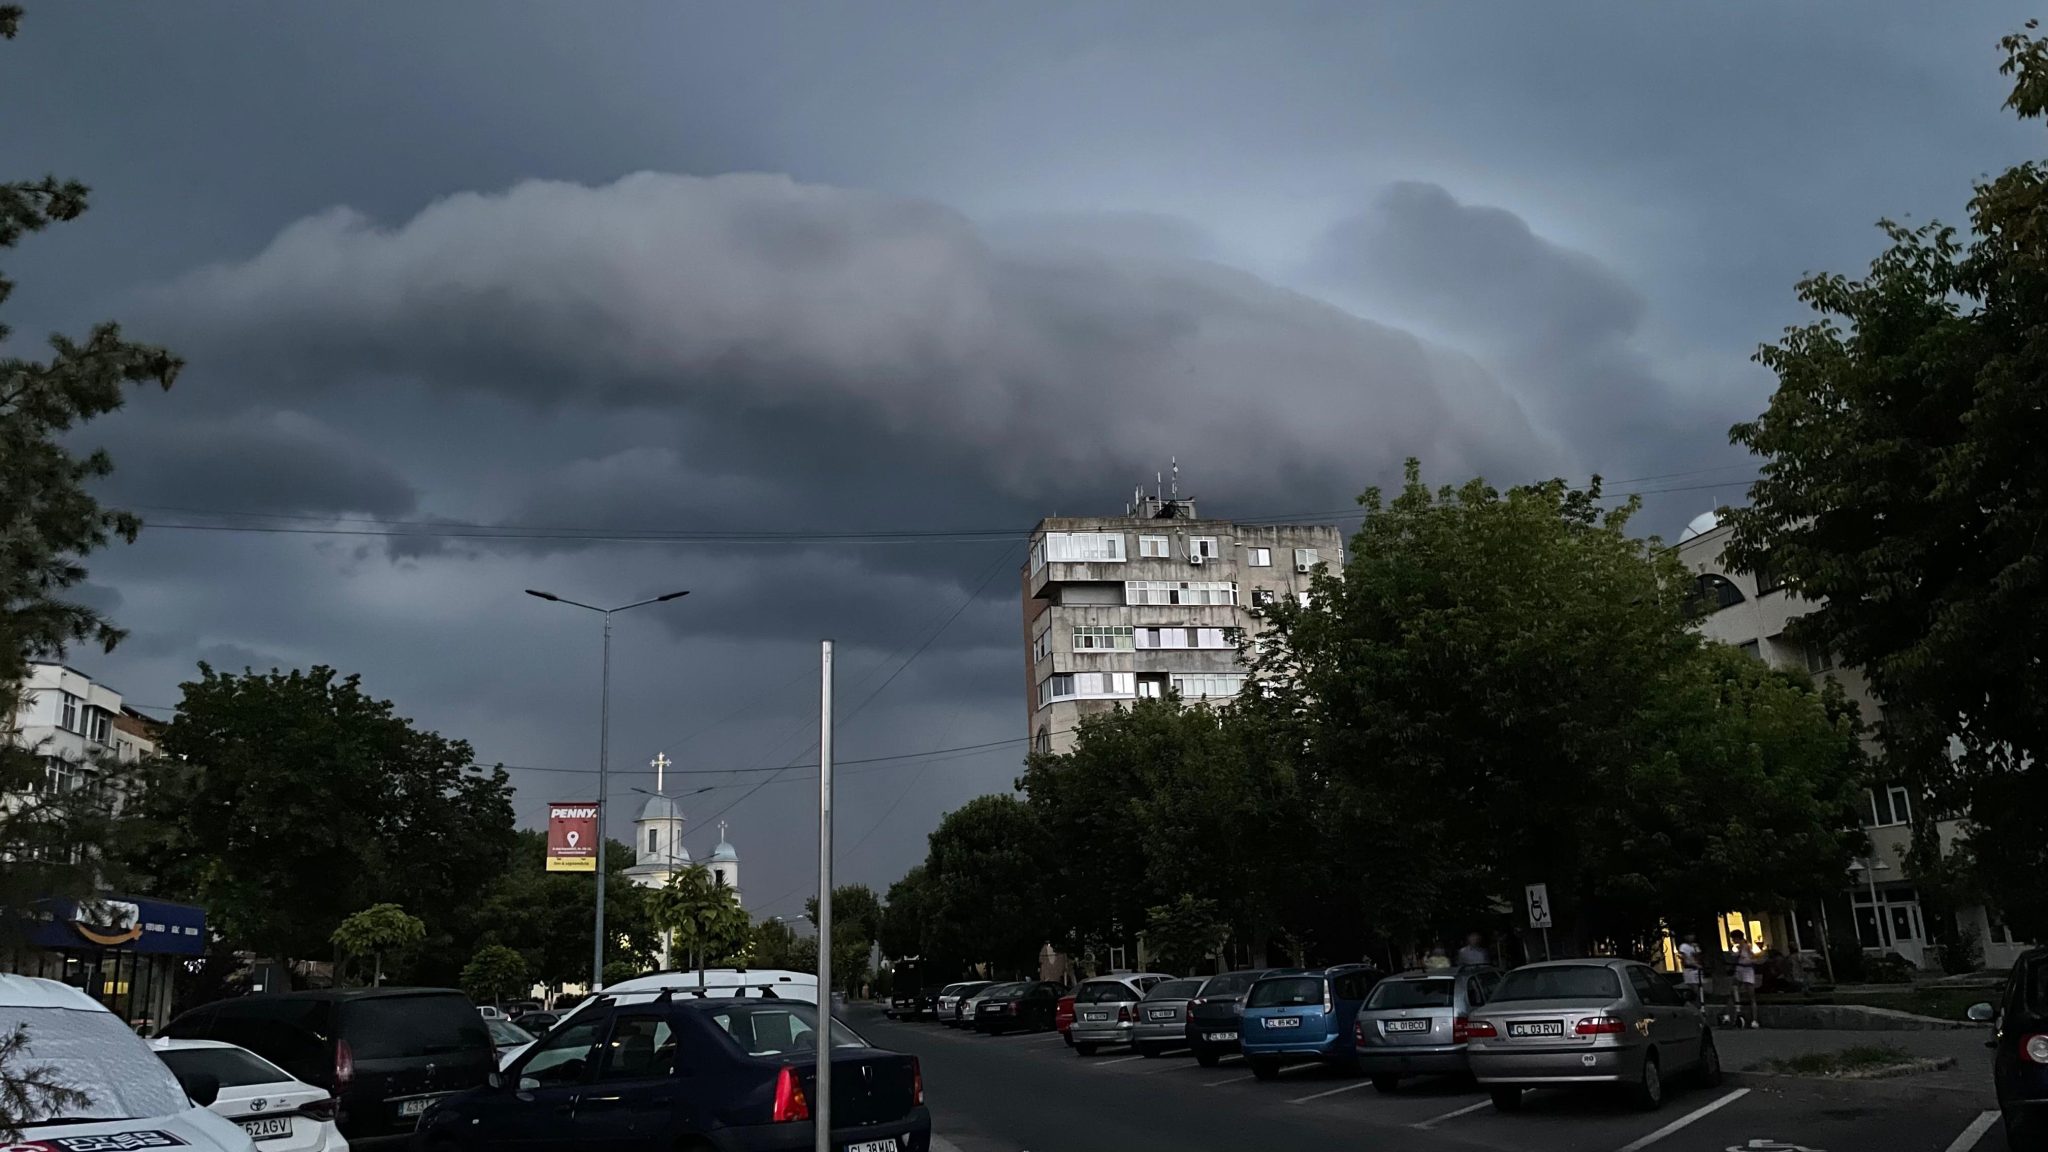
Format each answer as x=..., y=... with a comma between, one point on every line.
x=1600, y=1026
x=2035, y=1049
x=344, y=1065
x=1480, y=1030
x=1197, y=1002
x=1329, y=1005
x=916, y=1082
x=1358, y=1031
x=1123, y=1014
x=1461, y=1029
x=790, y=1105
x=321, y=1109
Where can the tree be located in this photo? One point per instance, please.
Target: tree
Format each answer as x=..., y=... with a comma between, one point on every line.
x=856, y=925
x=494, y=973
x=702, y=914
x=1904, y=491
x=547, y=916
x=287, y=800
x=1182, y=936
x=52, y=523
x=987, y=867
x=905, y=915
x=774, y=945
x=377, y=931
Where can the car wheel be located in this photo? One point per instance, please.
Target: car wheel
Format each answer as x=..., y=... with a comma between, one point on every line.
x=1507, y=1099
x=1265, y=1069
x=1068, y=1037
x=1084, y=1049
x=1648, y=1092
x=1710, y=1062
x=1206, y=1058
x=1387, y=1084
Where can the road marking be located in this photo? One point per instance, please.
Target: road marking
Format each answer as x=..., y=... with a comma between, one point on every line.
x=1232, y=1080
x=1469, y=1108
x=1118, y=1060
x=1054, y=1036
x=1974, y=1132
x=1682, y=1121
x=1332, y=1092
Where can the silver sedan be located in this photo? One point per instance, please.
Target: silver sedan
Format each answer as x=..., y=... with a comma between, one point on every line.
x=1577, y=1022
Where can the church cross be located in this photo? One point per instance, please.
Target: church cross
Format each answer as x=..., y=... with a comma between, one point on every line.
x=660, y=764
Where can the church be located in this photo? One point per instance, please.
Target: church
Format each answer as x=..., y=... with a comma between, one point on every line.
x=658, y=842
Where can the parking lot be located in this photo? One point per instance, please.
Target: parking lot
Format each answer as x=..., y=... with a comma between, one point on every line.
x=1030, y=1093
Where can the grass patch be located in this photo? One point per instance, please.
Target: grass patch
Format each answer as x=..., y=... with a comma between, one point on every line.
x=1940, y=1003
x=1856, y=1058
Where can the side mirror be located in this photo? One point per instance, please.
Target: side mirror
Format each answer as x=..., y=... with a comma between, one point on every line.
x=202, y=1087
x=495, y=1080
x=528, y=1084
x=1981, y=1013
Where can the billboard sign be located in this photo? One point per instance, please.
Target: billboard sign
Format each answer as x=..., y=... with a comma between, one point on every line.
x=572, y=837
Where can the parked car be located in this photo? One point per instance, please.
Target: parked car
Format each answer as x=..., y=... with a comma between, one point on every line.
x=1213, y=1015
x=970, y=1008
x=384, y=1053
x=1026, y=1007
x=1291, y=1016
x=132, y=1100
x=659, y=1070
x=490, y=1012
x=1417, y=1024
x=1163, y=1016
x=955, y=997
x=282, y=1114
x=2019, y=1062
x=1105, y=1008
x=507, y=1038
x=515, y=1009
x=928, y=1000
x=1063, y=1018
x=1574, y=1022
x=538, y=1022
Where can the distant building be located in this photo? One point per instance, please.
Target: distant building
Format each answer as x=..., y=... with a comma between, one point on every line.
x=658, y=846
x=80, y=727
x=1751, y=611
x=1121, y=608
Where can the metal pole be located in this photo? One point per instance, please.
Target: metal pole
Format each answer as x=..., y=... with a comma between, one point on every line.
x=604, y=732
x=1546, y=944
x=821, y=1109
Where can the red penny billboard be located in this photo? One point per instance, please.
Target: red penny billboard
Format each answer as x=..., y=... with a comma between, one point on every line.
x=572, y=837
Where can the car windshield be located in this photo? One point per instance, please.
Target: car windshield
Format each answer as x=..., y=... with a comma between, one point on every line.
x=115, y=1073
x=1229, y=984
x=233, y=1067
x=772, y=1029
x=1104, y=992
x=397, y=1027
x=1431, y=993
x=1286, y=992
x=505, y=1033
x=1174, y=990
x=1568, y=982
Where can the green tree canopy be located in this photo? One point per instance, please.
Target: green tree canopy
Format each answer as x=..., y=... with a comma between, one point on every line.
x=548, y=916
x=495, y=973
x=703, y=915
x=856, y=925
x=987, y=869
x=1183, y=935
x=376, y=932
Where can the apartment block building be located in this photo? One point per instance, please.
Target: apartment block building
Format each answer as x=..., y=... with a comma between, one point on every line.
x=1120, y=608
x=80, y=727
x=1751, y=610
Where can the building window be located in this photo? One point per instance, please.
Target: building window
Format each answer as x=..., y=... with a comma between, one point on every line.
x=1262, y=597
x=653, y=841
x=1037, y=556
x=1086, y=685
x=1303, y=597
x=1045, y=740
x=1767, y=578
x=1753, y=649
x=1084, y=547
x=1305, y=559
x=1999, y=931
x=1889, y=807
x=1041, y=645
x=1202, y=548
x=1186, y=638
x=99, y=725
x=718, y=874
x=1259, y=557
x=1154, y=548
x=1180, y=592
x=1201, y=685
x=1102, y=639
x=61, y=776
x=69, y=719
x=1819, y=659
x=1716, y=592
x=1151, y=688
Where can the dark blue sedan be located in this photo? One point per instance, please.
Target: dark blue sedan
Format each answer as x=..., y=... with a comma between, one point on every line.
x=2019, y=1066
x=662, y=1071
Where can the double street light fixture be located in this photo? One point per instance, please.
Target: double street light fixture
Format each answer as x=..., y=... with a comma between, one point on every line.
x=604, y=727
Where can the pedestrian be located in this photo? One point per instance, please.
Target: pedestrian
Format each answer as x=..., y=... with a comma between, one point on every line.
x=1745, y=979
x=1691, y=970
x=1474, y=951
x=1437, y=959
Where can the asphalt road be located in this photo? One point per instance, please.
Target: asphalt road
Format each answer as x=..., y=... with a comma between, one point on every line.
x=1030, y=1093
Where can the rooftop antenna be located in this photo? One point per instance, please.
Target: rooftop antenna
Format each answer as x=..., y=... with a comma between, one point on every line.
x=1176, y=476
x=1158, y=486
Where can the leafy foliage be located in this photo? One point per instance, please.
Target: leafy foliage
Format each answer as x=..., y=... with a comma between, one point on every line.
x=547, y=916
x=1904, y=490
x=856, y=924
x=377, y=931
x=30, y=1092
x=703, y=914
x=494, y=973
x=987, y=870
x=1183, y=935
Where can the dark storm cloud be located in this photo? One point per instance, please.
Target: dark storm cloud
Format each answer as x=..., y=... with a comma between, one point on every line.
x=257, y=460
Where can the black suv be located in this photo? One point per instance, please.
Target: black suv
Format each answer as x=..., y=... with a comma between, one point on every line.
x=670, y=1070
x=385, y=1053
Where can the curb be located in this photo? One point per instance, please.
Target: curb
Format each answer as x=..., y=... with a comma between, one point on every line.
x=1896, y=1086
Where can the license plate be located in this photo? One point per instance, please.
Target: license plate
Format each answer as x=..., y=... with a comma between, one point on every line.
x=1537, y=1028
x=1283, y=1021
x=1094, y=1015
x=414, y=1106
x=268, y=1128
x=1407, y=1025
x=1162, y=1014
x=1219, y=1036
x=872, y=1146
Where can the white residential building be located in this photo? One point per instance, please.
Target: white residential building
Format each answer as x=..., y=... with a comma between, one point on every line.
x=80, y=727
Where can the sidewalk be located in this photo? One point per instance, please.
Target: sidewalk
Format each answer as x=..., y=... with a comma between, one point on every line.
x=1971, y=1074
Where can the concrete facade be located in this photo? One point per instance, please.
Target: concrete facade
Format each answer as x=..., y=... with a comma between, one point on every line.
x=1119, y=608
x=79, y=727
x=1752, y=613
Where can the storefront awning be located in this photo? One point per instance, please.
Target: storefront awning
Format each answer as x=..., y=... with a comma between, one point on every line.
x=125, y=922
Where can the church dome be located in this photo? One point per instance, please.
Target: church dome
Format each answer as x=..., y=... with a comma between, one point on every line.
x=725, y=851
x=660, y=808
x=1701, y=524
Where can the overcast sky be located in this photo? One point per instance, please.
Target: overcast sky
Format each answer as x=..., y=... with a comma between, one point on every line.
x=820, y=271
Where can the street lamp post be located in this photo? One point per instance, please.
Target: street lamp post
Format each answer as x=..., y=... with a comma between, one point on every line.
x=604, y=731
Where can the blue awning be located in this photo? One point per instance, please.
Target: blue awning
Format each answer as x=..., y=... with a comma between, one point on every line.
x=128, y=923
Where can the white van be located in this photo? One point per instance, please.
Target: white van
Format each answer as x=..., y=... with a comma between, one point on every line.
x=131, y=1099
x=749, y=983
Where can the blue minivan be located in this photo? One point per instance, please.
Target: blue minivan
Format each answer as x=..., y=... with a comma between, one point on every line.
x=1297, y=1015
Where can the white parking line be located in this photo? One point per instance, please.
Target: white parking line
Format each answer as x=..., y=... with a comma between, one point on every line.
x=1436, y=1120
x=1232, y=1080
x=1682, y=1121
x=1332, y=1092
x=1118, y=1060
x=1054, y=1036
x=1974, y=1132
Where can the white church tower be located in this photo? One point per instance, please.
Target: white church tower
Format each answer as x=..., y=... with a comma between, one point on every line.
x=658, y=836
x=725, y=864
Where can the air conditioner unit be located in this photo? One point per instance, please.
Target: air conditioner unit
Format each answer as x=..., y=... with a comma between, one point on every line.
x=1195, y=558
x=1301, y=566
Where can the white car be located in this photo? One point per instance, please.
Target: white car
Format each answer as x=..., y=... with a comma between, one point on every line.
x=744, y=983
x=280, y=1113
x=132, y=1100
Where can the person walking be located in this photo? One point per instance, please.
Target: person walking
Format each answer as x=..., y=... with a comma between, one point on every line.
x=1690, y=969
x=1474, y=952
x=1745, y=979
